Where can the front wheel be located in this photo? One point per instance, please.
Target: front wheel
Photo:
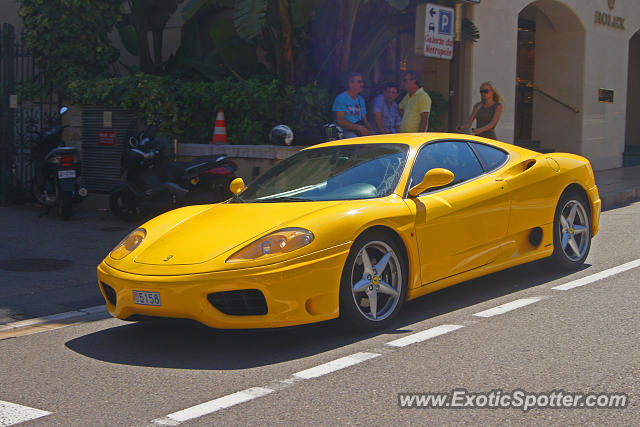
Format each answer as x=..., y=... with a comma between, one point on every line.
x=123, y=205
x=374, y=282
x=571, y=231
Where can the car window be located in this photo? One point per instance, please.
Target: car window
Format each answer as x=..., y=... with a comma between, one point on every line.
x=492, y=157
x=344, y=172
x=456, y=156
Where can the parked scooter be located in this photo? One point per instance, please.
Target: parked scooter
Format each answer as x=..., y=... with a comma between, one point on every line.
x=153, y=181
x=57, y=172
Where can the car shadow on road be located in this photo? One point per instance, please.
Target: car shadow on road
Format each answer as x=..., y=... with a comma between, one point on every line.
x=189, y=345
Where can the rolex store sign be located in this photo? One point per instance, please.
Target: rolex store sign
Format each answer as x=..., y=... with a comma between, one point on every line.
x=609, y=20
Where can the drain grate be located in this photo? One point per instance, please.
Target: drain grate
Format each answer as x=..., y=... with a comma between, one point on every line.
x=26, y=265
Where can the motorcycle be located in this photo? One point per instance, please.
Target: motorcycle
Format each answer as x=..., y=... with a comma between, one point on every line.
x=151, y=180
x=57, y=171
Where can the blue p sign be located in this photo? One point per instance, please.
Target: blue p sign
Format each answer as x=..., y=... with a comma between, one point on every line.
x=445, y=22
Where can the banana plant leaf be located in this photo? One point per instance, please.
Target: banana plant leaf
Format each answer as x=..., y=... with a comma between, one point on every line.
x=398, y=4
x=378, y=39
x=249, y=16
x=194, y=8
x=129, y=38
x=236, y=53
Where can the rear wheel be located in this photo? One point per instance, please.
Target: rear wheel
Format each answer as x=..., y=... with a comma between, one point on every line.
x=571, y=231
x=65, y=205
x=374, y=282
x=123, y=205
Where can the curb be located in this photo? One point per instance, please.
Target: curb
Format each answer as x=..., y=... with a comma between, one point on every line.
x=53, y=318
x=621, y=198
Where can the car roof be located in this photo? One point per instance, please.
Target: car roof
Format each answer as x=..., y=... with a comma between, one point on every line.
x=415, y=140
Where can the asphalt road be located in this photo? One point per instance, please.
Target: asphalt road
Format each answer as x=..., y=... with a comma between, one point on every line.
x=585, y=339
x=48, y=266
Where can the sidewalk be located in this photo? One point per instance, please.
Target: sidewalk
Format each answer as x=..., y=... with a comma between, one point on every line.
x=618, y=187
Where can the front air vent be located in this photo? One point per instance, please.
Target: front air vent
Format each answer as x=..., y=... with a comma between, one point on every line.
x=109, y=293
x=246, y=302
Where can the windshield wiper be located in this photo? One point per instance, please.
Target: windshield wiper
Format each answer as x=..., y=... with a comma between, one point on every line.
x=284, y=199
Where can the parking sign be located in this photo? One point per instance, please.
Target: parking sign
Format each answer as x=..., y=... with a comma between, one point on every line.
x=438, y=37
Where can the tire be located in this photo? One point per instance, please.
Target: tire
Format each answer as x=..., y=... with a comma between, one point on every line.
x=124, y=206
x=361, y=281
x=571, y=231
x=65, y=205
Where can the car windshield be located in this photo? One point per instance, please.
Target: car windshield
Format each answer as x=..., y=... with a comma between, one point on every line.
x=345, y=172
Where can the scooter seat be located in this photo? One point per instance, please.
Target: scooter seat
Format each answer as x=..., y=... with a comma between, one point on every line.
x=176, y=170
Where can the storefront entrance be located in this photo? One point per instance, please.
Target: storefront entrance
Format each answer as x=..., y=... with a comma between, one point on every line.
x=549, y=78
x=631, y=155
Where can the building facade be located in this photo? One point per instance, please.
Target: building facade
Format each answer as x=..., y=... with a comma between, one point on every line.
x=569, y=71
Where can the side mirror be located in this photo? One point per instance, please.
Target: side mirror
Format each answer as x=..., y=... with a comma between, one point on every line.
x=63, y=110
x=434, y=178
x=237, y=186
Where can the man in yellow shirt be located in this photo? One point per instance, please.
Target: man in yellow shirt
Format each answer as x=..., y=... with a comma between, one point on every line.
x=415, y=106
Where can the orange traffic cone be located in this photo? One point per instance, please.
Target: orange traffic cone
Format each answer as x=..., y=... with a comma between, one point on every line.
x=220, y=130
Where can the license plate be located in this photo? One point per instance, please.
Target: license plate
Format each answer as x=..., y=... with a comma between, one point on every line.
x=147, y=298
x=67, y=174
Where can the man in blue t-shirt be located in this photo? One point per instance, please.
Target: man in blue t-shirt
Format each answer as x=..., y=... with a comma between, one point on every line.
x=350, y=110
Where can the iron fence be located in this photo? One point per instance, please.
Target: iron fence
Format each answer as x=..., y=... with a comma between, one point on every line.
x=28, y=106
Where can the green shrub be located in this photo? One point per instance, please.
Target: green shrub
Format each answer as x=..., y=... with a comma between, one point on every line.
x=69, y=38
x=188, y=109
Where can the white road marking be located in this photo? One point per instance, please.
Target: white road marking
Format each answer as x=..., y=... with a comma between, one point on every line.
x=12, y=413
x=504, y=308
x=598, y=276
x=212, y=406
x=335, y=365
x=424, y=335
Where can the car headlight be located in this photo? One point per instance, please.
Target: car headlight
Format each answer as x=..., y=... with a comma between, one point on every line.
x=276, y=243
x=128, y=244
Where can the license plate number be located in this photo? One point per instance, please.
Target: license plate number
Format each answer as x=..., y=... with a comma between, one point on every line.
x=147, y=298
x=67, y=174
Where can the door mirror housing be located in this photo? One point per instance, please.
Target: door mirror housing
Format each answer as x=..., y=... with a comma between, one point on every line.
x=433, y=178
x=237, y=186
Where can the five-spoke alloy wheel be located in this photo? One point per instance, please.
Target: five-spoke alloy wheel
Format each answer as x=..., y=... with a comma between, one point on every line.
x=373, y=285
x=571, y=231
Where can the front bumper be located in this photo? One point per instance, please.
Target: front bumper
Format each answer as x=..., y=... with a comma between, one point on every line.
x=298, y=291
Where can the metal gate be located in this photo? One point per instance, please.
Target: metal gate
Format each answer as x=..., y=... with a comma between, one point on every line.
x=27, y=106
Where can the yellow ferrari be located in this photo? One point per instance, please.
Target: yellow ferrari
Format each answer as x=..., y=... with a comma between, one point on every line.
x=352, y=229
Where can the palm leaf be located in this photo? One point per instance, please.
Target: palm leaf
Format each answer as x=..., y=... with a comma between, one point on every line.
x=249, y=16
x=469, y=31
x=398, y=4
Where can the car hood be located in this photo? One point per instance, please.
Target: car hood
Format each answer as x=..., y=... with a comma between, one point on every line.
x=202, y=236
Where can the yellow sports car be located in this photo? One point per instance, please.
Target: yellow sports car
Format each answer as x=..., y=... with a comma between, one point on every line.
x=352, y=229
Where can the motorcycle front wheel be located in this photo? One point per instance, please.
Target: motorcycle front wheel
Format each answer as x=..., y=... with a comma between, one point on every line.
x=123, y=205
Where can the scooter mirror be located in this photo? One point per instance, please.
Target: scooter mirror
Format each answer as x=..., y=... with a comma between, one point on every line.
x=236, y=186
x=63, y=110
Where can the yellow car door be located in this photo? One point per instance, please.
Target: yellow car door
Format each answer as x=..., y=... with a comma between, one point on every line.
x=459, y=227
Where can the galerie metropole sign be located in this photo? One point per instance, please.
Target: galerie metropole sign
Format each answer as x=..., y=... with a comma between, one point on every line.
x=438, y=31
